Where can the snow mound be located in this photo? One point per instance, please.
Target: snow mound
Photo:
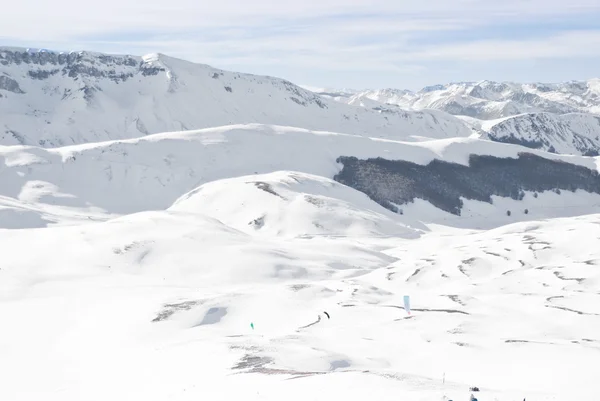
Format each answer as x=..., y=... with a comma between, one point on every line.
x=292, y=203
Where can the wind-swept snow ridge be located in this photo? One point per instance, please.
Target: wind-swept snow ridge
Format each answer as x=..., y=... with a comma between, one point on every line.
x=57, y=99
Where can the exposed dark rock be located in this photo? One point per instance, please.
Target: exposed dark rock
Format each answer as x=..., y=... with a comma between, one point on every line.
x=76, y=64
x=42, y=74
x=9, y=84
x=267, y=188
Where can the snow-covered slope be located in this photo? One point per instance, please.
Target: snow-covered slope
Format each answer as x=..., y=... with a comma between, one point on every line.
x=150, y=173
x=487, y=99
x=567, y=134
x=57, y=99
x=177, y=305
x=293, y=204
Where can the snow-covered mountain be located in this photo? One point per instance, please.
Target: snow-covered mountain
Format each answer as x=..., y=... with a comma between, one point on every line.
x=561, y=118
x=268, y=262
x=55, y=99
x=567, y=134
x=487, y=100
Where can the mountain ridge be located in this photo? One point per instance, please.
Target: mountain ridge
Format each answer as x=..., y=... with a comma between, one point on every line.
x=58, y=99
x=486, y=99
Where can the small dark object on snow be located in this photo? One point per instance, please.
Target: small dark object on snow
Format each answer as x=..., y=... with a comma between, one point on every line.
x=327, y=315
x=474, y=389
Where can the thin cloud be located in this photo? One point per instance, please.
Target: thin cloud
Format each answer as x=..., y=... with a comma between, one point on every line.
x=563, y=45
x=273, y=36
x=65, y=19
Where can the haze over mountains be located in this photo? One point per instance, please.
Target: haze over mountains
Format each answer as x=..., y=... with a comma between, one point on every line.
x=558, y=117
x=174, y=231
x=486, y=100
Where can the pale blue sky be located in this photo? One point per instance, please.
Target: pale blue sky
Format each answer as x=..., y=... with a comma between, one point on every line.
x=333, y=43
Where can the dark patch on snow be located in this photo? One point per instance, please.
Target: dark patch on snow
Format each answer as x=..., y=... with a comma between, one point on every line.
x=314, y=200
x=299, y=287
x=443, y=184
x=560, y=276
x=267, y=188
x=295, y=100
x=571, y=310
x=250, y=363
x=170, y=309
x=18, y=137
x=9, y=84
x=417, y=271
x=429, y=310
x=42, y=74
x=129, y=247
x=456, y=299
x=441, y=310
x=258, y=222
x=496, y=254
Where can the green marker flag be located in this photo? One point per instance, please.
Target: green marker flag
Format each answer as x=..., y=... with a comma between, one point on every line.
x=252, y=325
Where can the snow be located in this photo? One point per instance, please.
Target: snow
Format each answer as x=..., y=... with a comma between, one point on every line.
x=151, y=261
x=287, y=204
x=99, y=97
x=487, y=99
x=106, y=179
x=573, y=133
x=561, y=117
x=158, y=305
